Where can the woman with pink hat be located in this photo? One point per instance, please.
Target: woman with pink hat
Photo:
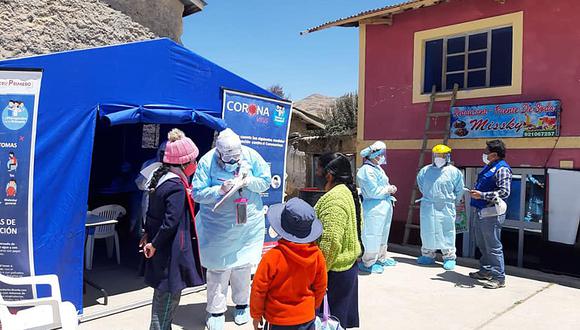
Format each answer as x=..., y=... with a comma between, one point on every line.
x=170, y=264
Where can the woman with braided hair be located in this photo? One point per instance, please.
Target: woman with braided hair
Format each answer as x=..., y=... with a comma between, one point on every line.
x=339, y=210
x=170, y=264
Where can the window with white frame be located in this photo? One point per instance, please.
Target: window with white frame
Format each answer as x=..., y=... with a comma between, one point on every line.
x=475, y=60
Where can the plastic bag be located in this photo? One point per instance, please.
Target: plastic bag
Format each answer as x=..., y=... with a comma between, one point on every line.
x=328, y=322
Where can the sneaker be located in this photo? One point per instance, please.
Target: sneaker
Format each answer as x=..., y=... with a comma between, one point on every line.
x=480, y=276
x=387, y=262
x=374, y=269
x=215, y=322
x=242, y=315
x=424, y=260
x=494, y=284
x=449, y=264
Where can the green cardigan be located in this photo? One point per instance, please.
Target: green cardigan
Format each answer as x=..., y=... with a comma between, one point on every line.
x=339, y=241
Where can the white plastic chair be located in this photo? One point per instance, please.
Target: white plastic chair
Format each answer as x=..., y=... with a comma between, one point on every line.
x=110, y=212
x=44, y=313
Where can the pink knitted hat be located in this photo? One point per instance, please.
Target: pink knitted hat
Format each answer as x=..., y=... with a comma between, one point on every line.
x=179, y=149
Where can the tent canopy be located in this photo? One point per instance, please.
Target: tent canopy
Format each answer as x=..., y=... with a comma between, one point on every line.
x=155, y=81
x=118, y=114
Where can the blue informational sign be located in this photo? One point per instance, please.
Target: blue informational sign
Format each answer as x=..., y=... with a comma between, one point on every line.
x=262, y=124
x=511, y=120
x=18, y=97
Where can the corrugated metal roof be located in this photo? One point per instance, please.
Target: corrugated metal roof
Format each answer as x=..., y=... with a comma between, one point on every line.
x=192, y=6
x=387, y=11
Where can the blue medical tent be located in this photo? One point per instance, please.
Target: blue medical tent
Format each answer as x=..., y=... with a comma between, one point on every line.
x=85, y=91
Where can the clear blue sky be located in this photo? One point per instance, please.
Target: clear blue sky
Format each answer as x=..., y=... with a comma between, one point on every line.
x=260, y=41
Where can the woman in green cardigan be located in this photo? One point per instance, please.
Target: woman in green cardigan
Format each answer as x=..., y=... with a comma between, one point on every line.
x=340, y=212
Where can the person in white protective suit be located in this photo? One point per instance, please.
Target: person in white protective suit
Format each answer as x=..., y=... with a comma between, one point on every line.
x=231, y=237
x=442, y=186
x=377, y=205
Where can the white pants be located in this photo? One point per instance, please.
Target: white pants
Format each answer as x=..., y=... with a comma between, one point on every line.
x=370, y=259
x=448, y=254
x=217, y=287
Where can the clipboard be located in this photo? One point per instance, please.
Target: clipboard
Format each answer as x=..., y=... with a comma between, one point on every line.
x=238, y=184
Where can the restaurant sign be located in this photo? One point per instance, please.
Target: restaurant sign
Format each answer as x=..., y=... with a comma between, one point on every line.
x=511, y=120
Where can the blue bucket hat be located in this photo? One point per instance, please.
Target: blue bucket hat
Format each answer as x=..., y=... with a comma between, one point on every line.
x=295, y=221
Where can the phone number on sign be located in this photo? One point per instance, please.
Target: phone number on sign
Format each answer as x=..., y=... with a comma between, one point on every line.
x=539, y=134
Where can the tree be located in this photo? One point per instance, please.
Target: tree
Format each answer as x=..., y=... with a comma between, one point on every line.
x=342, y=116
x=278, y=90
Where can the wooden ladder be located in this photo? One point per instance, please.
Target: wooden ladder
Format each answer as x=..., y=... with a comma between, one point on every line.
x=427, y=135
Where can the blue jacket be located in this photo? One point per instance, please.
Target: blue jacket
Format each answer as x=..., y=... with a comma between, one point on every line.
x=173, y=267
x=486, y=182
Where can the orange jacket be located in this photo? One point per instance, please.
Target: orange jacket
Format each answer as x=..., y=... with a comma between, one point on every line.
x=289, y=284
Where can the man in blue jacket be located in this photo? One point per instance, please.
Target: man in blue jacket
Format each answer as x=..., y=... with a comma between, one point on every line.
x=493, y=183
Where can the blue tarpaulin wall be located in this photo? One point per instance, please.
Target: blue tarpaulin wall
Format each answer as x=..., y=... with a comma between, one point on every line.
x=155, y=81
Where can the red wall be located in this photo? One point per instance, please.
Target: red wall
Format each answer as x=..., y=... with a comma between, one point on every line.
x=551, y=70
x=551, y=63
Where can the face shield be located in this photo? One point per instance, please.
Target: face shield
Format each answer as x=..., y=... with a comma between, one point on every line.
x=376, y=152
x=440, y=160
x=380, y=156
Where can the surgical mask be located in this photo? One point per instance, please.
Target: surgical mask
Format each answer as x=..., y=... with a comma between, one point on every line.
x=379, y=157
x=382, y=160
x=485, y=160
x=230, y=163
x=439, y=162
x=190, y=169
x=231, y=167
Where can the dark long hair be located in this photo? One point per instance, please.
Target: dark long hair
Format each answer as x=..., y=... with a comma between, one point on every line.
x=324, y=159
x=340, y=169
x=159, y=173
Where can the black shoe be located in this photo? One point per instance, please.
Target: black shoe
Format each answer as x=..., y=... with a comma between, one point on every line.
x=480, y=276
x=494, y=284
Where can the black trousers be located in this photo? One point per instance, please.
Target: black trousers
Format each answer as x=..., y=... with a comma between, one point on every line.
x=343, y=296
x=304, y=326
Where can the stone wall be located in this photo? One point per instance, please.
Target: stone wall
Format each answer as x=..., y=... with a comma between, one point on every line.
x=33, y=27
x=163, y=17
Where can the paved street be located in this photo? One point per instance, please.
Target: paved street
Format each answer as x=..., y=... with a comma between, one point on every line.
x=412, y=297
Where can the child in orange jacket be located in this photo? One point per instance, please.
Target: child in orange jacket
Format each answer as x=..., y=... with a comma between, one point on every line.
x=291, y=279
